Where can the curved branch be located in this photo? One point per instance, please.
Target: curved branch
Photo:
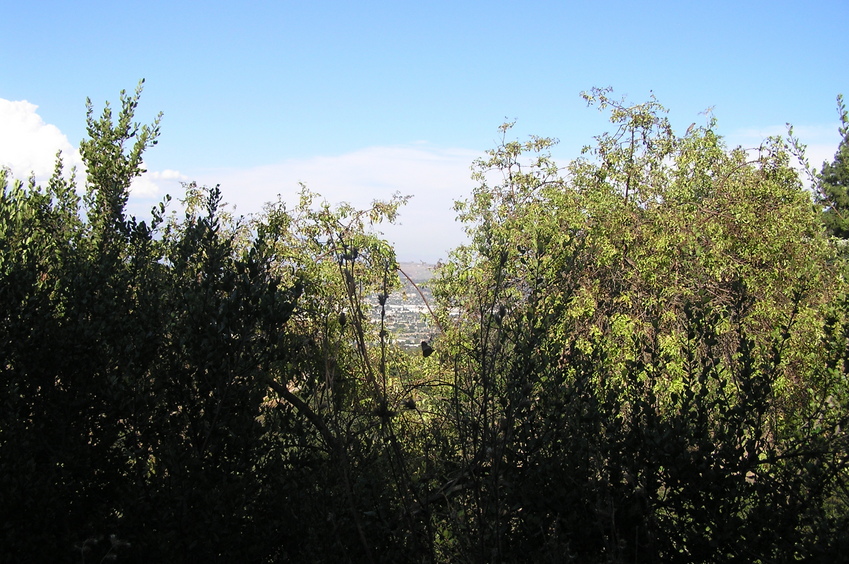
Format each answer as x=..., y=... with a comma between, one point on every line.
x=427, y=305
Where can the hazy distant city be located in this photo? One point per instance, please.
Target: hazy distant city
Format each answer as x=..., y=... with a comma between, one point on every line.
x=407, y=317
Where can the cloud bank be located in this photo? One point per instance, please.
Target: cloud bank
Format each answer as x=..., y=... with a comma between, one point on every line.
x=434, y=177
x=153, y=185
x=28, y=145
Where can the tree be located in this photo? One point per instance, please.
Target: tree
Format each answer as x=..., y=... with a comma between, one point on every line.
x=642, y=358
x=159, y=402
x=75, y=313
x=635, y=353
x=834, y=182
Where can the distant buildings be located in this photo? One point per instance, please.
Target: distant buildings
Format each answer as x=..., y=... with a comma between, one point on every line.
x=407, y=316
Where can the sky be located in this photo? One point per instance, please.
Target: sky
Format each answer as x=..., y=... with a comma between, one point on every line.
x=358, y=100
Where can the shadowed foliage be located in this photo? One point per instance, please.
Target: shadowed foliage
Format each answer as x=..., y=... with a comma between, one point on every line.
x=640, y=356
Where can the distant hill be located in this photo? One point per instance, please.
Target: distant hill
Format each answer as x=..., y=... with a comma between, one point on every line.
x=418, y=271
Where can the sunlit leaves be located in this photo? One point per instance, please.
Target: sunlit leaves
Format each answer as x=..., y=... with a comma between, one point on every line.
x=674, y=284
x=833, y=181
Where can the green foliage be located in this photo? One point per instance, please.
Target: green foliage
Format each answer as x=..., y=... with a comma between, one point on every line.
x=111, y=165
x=140, y=364
x=642, y=358
x=636, y=363
x=834, y=181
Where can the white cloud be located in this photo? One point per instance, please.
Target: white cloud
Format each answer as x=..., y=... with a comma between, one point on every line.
x=155, y=184
x=169, y=174
x=28, y=145
x=435, y=177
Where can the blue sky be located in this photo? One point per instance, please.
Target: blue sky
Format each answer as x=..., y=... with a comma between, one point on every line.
x=359, y=99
